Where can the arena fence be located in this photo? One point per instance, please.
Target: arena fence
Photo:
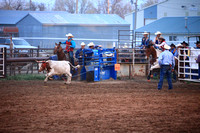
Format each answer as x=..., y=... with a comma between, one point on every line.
x=22, y=60
x=187, y=66
x=2, y=62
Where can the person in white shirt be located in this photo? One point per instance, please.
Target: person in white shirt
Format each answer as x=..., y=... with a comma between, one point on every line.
x=162, y=43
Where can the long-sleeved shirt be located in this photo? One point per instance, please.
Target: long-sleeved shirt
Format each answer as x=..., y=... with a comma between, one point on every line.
x=156, y=41
x=161, y=45
x=145, y=41
x=174, y=52
x=166, y=58
x=72, y=42
x=79, y=53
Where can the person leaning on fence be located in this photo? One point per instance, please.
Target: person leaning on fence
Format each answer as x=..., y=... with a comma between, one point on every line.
x=167, y=63
x=198, y=61
x=156, y=39
x=145, y=40
x=89, y=52
x=80, y=53
x=70, y=45
x=197, y=45
x=174, y=50
x=162, y=43
x=186, y=51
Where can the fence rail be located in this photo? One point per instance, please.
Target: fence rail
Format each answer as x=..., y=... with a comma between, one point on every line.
x=22, y=60
x=2, y=62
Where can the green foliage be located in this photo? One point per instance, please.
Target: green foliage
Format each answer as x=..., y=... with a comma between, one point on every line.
x=25, y=77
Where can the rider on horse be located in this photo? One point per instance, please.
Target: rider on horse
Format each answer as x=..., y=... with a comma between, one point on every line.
x=156, y=40
x=70, y=45
x=145, y=40
x=162, y=43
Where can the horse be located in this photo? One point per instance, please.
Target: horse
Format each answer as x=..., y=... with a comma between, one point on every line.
x=59, y=51
x=155, y=53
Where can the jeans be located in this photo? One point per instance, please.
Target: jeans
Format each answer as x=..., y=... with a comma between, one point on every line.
x=71, y=56
x=199, y=70
x=165, y=70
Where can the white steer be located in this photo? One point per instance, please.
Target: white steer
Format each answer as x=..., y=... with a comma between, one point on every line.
x=57, y=68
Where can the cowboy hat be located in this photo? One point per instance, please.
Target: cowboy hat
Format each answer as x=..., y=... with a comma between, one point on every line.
x=198, y=42
x=167, y=47
x=82, y=44
x=90, y=44
x=172, y=45
x=178, y=45
x=69, y=34
x=184, y=43
x=158, y=32
x=161, y=37
x=145, y=33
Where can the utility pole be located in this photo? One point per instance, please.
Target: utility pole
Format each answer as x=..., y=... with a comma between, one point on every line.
x=108, y=7
x=76, y=6
x=30, y=5
x=135, y=15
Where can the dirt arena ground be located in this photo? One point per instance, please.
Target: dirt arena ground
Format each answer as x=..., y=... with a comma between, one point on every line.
x=109, y=106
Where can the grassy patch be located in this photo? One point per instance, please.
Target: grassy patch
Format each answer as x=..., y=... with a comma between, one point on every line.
x=25, y=77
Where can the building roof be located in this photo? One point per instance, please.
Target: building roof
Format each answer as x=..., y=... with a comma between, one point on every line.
x=63, y=18
x=11, y=17
x=170, y=25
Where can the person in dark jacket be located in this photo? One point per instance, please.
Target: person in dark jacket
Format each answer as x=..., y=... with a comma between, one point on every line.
x=145, y=40
x=79, y=53
x=197, y=45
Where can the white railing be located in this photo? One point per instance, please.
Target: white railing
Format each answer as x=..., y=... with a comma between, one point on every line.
x=187, y=66
x=2, y=62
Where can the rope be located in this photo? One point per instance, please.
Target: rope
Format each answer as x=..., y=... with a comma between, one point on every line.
x=80, y=74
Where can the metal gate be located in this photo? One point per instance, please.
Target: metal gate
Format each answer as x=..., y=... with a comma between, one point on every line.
x=187, y=66
x=125, y=38
x=2, y=62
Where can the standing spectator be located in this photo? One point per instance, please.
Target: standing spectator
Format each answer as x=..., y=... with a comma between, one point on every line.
x=145, y=40
x=174, y=50
x=185, y=45
x=167, y=63
x=198, y=61
x=79, y=53
x=197, y=45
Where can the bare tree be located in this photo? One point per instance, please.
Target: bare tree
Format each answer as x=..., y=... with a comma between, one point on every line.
x=85, y=4
x=70, y=6
x=59, y=5
x=21, y=5
x=41, y=7
x=12, y=4
x=118, y=7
